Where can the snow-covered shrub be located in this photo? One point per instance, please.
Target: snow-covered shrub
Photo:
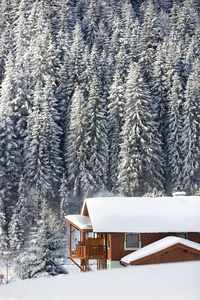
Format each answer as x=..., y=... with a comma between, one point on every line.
x=154, y=193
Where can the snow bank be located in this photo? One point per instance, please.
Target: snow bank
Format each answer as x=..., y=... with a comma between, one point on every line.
x=141, y=214
x=158, y=246
x=164, y=282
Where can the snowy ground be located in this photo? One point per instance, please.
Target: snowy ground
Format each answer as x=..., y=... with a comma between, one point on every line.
x=152, y=282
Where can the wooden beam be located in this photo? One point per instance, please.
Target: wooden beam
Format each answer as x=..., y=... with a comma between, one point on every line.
x=70, y=236
x=77, y=264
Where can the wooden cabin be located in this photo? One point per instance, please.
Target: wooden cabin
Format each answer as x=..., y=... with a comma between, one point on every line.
x=111, y=228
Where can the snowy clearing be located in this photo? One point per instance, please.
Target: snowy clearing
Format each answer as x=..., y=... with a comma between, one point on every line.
x=167, y=281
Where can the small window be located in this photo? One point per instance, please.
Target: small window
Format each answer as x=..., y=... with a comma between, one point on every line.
x=132, y=241
x=183, y=235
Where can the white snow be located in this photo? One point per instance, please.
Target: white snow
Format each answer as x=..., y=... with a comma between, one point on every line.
x=177, y=281
x=143, y=214
x=158, y=246
x=80, y=221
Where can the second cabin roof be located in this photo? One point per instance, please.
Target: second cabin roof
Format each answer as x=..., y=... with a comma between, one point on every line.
x=158, y=246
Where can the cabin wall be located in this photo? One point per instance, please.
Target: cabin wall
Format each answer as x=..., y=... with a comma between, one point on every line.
x=116, y=251
x=175, y=255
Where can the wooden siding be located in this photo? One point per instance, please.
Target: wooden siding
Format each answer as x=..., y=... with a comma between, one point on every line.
x=176, y=253
x=194, y=236
x=117, y=251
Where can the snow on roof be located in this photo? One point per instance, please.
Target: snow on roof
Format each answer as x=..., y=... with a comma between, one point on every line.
x=81, y=222
x=143, y=214
x=158, y=246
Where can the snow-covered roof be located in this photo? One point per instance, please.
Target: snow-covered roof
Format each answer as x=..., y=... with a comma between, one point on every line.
x=158, y=246
x=142, y=214
x=82, y=222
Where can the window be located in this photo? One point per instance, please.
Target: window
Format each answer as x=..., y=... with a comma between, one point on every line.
x=132, y=241
x=183, y=235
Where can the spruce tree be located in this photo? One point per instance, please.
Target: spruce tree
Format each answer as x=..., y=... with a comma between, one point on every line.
x=141, y=158
x=76, y=151
x=16, y=233
x=115, y=121
x=44, y=250
x=43, y=168
x=3, y=232
x=10, y=144
x=190, y=134
x=96, y=142
x=174, y=162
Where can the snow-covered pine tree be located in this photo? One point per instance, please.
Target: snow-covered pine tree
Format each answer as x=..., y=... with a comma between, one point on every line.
x=36, y=167
x=187, y=21
x=193, y=51
x=3, y=234
x=45, y=248
x=90, y=21
x=72, y=75
x=95, y=178
x=159, y=92
x=76, y=66
x=43, y=168
x=117, y=34
x=141, y=158
x=76, y=151
x=64, y=203
x=154, y=193
x=115, y=120
x=134, y=42
x=10, y=147
x=16, y=233
x=122, y=64
x=174, y=130
x=7, y=33
x=148, y=42
x=101, y=38
x=190, y=134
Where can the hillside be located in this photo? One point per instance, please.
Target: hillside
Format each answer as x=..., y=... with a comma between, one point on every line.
x=95, y=97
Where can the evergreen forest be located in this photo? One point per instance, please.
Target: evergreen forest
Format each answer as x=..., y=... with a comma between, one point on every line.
x=97, y=97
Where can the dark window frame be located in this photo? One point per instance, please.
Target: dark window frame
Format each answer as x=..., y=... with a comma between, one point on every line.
x=128, y=246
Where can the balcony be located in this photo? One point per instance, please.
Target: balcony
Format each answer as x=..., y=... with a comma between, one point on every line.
x=94, y=249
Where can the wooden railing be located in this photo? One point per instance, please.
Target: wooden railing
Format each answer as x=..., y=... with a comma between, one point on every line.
x=79, y=252
x=93, y=252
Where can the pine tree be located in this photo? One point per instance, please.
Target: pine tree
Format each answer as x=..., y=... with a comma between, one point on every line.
x=90, y=22
x=174, y=162
x=43, y=168
x=16, y=233
x=64, y=203
x=76, y=151
x=187, y=21
x=190, y=134
x=148, y=41
x=141, y=159
x=3, y=234
x=96, y=142
x=10, y=145
x=44, y=251
x=115, y=121
x=159, y=92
